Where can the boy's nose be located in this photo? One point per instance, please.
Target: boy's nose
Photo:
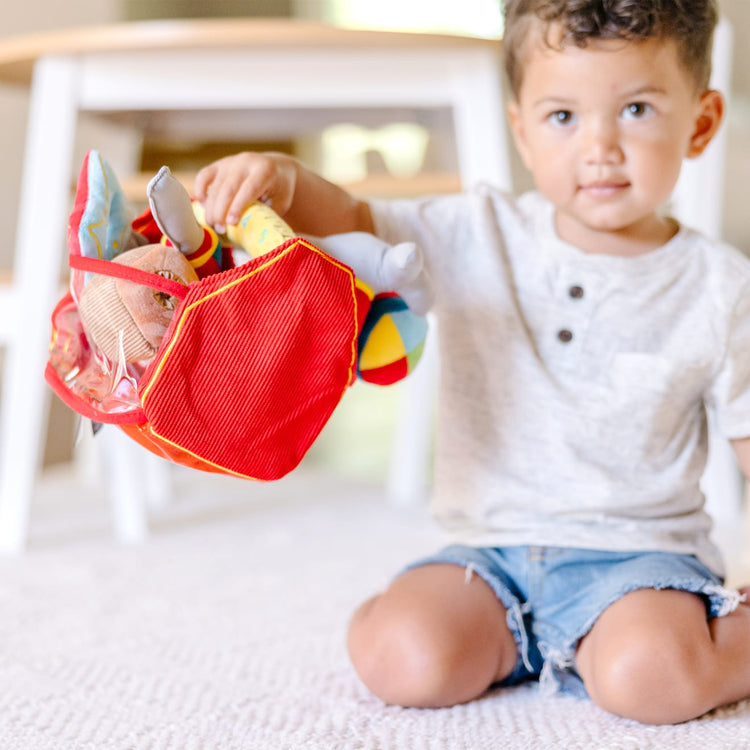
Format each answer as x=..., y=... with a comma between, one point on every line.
x=602, y=145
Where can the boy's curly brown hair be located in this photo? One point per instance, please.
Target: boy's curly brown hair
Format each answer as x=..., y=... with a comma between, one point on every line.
x=690, y=23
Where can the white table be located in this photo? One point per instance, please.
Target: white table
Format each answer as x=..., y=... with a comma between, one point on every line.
x=210, y=75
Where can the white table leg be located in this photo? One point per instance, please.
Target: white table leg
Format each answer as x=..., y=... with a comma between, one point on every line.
x=38, y=262
x=409, y=465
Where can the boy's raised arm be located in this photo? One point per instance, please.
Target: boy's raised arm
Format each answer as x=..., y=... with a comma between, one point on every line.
x=309, y=203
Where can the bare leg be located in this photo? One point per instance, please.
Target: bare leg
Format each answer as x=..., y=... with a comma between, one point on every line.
x=432, y=639
x=654, y=657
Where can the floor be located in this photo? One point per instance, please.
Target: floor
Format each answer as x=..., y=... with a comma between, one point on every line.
x=226, y=629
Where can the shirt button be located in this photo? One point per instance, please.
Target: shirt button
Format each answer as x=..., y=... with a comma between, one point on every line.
x=576, y=292
x=565, y=335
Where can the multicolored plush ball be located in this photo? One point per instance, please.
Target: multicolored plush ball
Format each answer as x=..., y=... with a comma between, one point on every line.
x=391, y=341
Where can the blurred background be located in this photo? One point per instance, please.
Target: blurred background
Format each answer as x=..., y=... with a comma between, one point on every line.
x=407, y=156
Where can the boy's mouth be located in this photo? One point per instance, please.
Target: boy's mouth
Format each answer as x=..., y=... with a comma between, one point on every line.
x=604, y=188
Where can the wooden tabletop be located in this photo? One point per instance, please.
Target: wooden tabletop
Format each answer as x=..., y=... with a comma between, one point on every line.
x=18, y=54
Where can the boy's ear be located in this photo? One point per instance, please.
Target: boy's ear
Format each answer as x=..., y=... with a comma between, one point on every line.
x=710, y=115
x=516, y=128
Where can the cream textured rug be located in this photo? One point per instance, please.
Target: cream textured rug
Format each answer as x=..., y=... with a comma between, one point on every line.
x=226, y=631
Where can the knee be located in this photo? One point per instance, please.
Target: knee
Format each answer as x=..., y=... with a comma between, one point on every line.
x=654, y=681
x=406, y=660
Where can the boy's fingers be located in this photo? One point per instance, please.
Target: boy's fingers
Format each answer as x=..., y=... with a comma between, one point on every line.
x=218, y=200
x=202, y=180
x=228, y=199
x=227, y=187
x=246, y=194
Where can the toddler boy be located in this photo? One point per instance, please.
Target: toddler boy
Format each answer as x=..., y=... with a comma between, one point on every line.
x=584, y=335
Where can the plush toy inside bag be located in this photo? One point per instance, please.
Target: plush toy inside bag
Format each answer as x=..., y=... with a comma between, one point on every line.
x=225, y=367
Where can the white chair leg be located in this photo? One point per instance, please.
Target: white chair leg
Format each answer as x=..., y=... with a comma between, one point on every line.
x=159, y=481
x=127, y=490
x=133, y=479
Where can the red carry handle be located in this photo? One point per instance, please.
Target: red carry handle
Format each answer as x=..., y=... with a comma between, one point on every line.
x=128, y=273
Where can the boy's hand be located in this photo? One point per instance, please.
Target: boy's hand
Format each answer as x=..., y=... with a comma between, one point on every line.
x=228, y=186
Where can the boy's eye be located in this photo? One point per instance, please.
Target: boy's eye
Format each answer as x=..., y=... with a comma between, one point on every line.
x=561, y=117
x=636, y=110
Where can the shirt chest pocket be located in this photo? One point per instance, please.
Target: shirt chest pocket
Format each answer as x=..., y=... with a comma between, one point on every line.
x=643, y=378
x=641, y=372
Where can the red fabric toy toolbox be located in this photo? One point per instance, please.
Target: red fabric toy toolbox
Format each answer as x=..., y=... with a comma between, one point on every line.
x=254, y=362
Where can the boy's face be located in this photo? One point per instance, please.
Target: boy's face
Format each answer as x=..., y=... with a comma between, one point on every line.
x=604, y=131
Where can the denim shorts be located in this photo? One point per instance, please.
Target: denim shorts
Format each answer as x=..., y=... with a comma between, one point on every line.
x=554, y=596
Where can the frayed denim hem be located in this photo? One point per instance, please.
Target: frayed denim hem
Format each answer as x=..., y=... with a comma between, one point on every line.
x=558, y=670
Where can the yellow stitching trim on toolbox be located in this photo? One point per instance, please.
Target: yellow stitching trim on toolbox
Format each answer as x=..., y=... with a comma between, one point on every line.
x=198, y=302
x=221, y=468
x=352, y=362
x=355, y=338
x=353, y=283
x=221, y=289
